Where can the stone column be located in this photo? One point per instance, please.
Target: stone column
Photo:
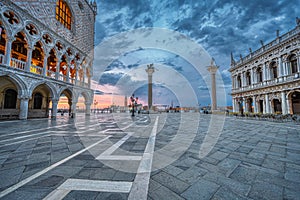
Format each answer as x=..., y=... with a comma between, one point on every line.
x=298, y=63
x=213, y=69
x=68, y=73
x=88, y=108
x=83, y=75
x=73, y=109
x=255, y=76
x=254, y=104
x=243, y=79
x=287, y=68
x=150, y=70
x=57, y=69
x=252, y=76
x=23, y=107
x=29, y=58
x=288, y=106
x=233, y=104
x=54, y=108
x=264, y=72
x=267, y=104
x=8, y=51
x=245, y=104
x=280, y=69
x=76, y=73
x=257, y=103
x=45, y=64
x=283, y=103
x=89, y=82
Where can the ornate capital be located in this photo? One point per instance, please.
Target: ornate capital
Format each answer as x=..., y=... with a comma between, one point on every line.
x=24, y=97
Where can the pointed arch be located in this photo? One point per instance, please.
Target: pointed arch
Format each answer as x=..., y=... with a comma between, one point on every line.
x=20, y=84
x=67, y=91
x=51, y=87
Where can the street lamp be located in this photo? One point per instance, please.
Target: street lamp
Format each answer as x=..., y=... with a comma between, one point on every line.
x=133, y=103
x=95, y=104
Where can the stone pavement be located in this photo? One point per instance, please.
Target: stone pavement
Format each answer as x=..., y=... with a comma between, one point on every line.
x=114, y=156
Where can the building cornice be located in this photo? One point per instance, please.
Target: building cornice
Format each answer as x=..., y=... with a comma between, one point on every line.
x=266, y=49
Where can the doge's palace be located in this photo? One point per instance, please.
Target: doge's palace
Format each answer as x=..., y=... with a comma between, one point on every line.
x=46, y=51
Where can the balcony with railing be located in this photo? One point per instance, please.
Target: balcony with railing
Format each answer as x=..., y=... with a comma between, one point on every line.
x=17, y=63
x=36, y=69
x=21, y=65
x=277, y=81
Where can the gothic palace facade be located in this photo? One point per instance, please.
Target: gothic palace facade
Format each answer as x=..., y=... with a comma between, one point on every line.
x=46, y=51
x=268, y=79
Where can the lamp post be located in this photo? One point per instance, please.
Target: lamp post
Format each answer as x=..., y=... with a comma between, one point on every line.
x=133, y=103
x=95, y=104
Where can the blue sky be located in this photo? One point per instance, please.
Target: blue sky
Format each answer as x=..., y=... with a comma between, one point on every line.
x=218, y=26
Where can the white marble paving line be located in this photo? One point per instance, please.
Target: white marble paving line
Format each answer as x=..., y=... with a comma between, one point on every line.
x=46, y=128
x=88, y=185
x=139, y=190
x=24, y=136
x=24, y=140
x=119, y=157
x=51, y=133
x=107, y=153
x=114, y=147
x=126, y=127
x=34, y=176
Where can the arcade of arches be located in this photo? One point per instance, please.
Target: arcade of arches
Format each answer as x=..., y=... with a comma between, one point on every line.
x=39, y=101
x=286, y=103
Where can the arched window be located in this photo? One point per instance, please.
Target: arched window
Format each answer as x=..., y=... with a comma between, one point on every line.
x=293, y=64
x=239, y=81
x=10, y=99
x=259, y=75
x=19, y=47
x=63, y=14
x=248, y=78
x=38, y=101
x=273, y=69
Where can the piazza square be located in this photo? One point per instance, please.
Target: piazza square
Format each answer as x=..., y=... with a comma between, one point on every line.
x=149, y=100
x=95, y=157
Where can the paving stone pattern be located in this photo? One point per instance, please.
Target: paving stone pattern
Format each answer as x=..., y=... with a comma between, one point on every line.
x=251, y=159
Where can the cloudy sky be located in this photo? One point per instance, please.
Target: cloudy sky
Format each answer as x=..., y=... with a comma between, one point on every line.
x=217, y=26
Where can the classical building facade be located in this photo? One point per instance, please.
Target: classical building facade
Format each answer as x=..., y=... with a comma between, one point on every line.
x=268, y=79
x=46, y=51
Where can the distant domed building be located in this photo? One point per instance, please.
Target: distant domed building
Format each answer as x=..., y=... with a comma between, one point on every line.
x=46, y=51
x=268, y=79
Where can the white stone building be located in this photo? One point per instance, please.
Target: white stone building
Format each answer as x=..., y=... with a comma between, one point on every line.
x=46, y=51
x=268, y=79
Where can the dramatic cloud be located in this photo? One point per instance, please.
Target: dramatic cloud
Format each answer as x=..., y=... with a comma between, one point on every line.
x=220, y=26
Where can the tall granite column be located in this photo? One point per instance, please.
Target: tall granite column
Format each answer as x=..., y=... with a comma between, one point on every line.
x=213, y=69
x=150, y=70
